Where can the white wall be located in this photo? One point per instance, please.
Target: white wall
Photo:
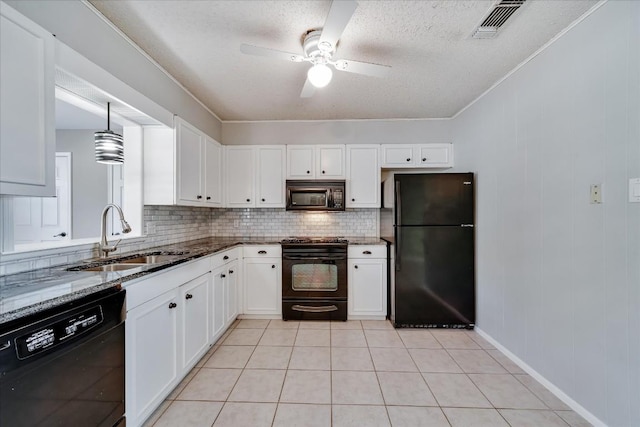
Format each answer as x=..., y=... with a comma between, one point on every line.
x=77, y=26
x=89, y=183
x=558, y=278
x=337, y=132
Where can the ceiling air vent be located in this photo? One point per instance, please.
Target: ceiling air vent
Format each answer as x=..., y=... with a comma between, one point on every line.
x=498, y=15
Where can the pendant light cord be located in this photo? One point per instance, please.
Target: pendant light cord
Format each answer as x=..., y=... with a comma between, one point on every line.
x=108, y=116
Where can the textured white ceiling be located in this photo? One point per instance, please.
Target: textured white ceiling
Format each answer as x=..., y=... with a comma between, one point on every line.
x=437, y=67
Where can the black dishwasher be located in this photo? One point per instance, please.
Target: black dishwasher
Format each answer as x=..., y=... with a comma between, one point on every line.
x=65, y=366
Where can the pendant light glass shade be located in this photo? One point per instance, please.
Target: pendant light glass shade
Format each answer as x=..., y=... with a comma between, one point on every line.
x=109, y=145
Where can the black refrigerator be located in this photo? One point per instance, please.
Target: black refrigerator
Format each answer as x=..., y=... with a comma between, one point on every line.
x=433, y=269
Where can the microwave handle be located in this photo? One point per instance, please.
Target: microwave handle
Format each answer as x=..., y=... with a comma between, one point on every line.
x=330, y=199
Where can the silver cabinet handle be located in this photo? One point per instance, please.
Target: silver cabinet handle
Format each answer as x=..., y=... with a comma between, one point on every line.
x=308, y=309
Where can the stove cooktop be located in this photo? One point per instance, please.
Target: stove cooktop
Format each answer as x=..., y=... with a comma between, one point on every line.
x=312, y=240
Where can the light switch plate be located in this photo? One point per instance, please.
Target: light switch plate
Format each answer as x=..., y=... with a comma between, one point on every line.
x=596, y=193
x=634, y=190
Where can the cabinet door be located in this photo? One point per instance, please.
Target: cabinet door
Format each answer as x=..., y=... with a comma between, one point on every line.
x=27, y=106
x=436, y=155
x=152, y=354
x=262, y=290
x=231, y=287
x=218, y=315
x=270, y=180
x=212, y=173
x=330, y=162
x=300, y=162
x=194, y=296
x=398, y=156
x=363, y=176
x=367, y=287
x=189, y=142
x=240, y=166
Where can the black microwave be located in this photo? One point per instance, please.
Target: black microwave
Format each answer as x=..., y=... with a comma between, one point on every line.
x=315, y=195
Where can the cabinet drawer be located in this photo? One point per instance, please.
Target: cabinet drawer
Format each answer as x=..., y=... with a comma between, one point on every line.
x=366, y=251
x=143, y=290
x=262, y=251
x=221, y=258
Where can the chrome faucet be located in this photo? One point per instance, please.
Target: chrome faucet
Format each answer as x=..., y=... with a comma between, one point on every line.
x=104, y=245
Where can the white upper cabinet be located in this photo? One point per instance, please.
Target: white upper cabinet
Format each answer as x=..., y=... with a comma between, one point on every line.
x=190, y=146
x=316, y=161
x=363, y=176
x=330, y=162
x=417, y=155
x=213, y=173
x=27, y=106
x=240, y=178
x=301, y=162
x=255, y=176
x=270, y=176
x=182, y=166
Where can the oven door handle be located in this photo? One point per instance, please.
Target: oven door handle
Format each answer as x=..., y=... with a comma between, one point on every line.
x=317, y=258
x=308, y=309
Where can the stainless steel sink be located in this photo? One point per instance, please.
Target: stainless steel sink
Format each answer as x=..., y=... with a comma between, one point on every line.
x=116, y=264
x=148, y=259
x=112, y=267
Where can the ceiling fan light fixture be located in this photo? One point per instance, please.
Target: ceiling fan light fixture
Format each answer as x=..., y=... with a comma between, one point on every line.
x=320, y=75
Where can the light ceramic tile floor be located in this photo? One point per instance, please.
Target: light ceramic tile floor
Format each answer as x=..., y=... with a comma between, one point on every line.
x=357, y=373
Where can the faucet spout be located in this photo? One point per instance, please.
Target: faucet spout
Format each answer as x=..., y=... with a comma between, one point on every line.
x=126, y=228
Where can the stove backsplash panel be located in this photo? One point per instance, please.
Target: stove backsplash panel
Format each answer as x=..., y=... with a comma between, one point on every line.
x=279, y=222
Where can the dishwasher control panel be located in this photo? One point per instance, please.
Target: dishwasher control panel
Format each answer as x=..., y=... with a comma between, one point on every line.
x=46, y=335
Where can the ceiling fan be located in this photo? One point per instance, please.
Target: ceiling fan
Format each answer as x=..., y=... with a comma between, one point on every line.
x=319, y=47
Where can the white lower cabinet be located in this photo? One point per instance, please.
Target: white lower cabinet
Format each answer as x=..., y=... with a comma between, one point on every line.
x=166, y=333
x=194, y=297
x=224, y=293
x=231, y=285
x=367, y=276
x=218, y=317
x=151, y=355
x=262, y=271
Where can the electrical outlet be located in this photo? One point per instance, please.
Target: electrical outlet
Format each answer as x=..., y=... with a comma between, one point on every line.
x=634, y=190
x=596, y=194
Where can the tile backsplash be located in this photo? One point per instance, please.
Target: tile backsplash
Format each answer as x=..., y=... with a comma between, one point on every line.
x=165, y=225
x=280, y=223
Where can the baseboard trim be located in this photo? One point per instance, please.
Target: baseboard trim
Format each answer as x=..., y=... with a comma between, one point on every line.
x=575, y=406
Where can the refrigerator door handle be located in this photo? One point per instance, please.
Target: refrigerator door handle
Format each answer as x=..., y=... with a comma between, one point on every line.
x=398, y=230
x=398, y=205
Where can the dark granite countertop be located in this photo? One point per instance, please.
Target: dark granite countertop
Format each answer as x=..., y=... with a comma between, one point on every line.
x=29, y=292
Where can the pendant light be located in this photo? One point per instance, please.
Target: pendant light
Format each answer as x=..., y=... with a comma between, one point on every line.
x=109, y=145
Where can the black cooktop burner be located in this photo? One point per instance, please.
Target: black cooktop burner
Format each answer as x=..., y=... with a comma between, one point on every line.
x=312, y=240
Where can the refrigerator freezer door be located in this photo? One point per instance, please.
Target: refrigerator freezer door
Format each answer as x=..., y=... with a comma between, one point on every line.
x=434, y=199
x=434, y=277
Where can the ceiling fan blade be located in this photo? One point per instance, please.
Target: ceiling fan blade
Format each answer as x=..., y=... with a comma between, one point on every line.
x=366, y=68
x=337, y=20
x=307, y=90
x=270, y=53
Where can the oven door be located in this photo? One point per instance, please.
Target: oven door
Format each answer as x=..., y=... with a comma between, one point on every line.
x=314, y=273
